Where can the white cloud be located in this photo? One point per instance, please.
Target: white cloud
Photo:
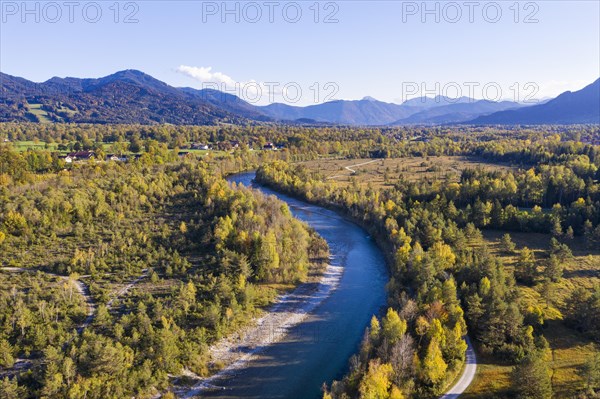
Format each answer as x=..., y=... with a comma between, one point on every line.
x=260, y=92
x=206, y=75
x=252, y=91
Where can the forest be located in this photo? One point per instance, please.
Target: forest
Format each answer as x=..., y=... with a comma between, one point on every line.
x=507, y=252
x=214, y=255
x=443, y=286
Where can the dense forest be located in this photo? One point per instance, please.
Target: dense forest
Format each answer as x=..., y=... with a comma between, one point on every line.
x=440, y=284
x=118, y=275
x=212, y=254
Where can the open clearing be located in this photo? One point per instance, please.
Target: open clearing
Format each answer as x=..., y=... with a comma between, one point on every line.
x=570, y=349
x=384, y=172
x=21, y=146
x=36, y=109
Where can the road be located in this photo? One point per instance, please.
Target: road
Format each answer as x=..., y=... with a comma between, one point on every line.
x=467, y=377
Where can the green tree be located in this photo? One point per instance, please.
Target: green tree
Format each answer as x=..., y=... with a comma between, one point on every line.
x=135, y=145
x=557, y=230
x=590, y=372
x=268, y=257
x=525, y=268
x=6, y=357
x=531, y=377
x=10, y=389
x=554, y=269
x=507, y=244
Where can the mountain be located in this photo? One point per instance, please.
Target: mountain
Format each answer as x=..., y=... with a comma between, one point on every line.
x=360, y=112
x=132, y=96
x=458, y=112
x=437, y=101
x=227, y=102
x=579, y=107
x=124, y=97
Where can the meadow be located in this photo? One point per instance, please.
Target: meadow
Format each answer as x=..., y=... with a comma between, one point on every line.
x=383, y=172
x=569, y=348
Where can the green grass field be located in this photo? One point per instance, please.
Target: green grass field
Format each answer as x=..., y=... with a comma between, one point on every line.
x=36, y=109
x=33, y=145
x=22, y=146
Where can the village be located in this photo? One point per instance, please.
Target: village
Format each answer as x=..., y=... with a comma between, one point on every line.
x=73, y=153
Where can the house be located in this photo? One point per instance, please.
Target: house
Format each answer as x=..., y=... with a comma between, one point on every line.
x=200, y=146
x=80, y=156
x=116, y=158
x=269, y=146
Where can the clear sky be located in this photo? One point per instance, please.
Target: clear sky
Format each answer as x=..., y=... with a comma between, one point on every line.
x=390, y=50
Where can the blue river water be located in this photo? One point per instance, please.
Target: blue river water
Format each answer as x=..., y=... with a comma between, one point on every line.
x=318, y=349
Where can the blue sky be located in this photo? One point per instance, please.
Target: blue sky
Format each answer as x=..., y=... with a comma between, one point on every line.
x=390, y=50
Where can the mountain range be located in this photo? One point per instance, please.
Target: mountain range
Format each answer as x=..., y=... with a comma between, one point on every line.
x=581, y=107
x=132, y=96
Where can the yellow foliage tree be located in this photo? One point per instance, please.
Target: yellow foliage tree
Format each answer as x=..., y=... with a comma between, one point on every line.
x=393, y=326
x=374, y=330
x=396, y=393
x=376, y=383
x=433, y=367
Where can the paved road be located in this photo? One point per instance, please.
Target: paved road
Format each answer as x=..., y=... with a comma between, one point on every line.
x=467, y=377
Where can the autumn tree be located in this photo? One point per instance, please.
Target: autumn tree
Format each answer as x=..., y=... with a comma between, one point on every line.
x=433, y=366
x=393, y=326
x=377, y=382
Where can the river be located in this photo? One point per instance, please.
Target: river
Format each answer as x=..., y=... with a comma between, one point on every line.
x=318, y=349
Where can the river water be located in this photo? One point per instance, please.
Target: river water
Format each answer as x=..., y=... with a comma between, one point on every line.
x=318, y=349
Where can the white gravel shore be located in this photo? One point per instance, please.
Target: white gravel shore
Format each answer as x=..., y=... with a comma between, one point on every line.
x=288, y=311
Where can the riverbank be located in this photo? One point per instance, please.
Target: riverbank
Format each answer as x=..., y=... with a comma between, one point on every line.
x=458, y=378
x=236, y=351
x=311, y=344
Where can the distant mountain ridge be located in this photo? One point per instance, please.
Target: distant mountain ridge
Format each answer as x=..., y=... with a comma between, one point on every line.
x=131, y=96
x=124, y=97
x=578, y=107
x=457, y=112
x=437, y=101
x=357, y=112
